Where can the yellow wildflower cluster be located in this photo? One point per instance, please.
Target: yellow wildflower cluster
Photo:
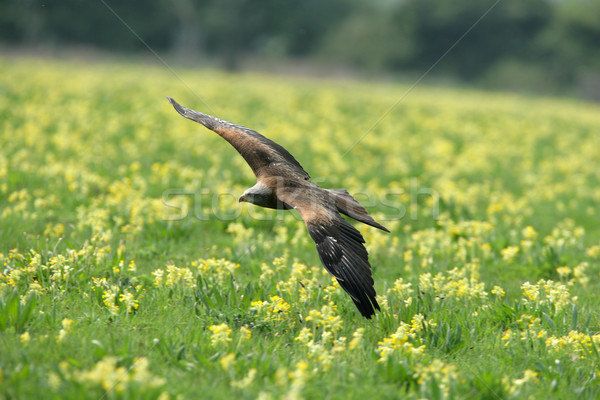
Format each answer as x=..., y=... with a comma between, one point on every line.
x=240, y=233
x=274, y=310
x=25, y=272
x=516, y=385
x=245, y=333
x=110, y=297
x=227, y=361
x=66, y=329
x=566, y=234
x=547, y=292
x=212, y=269
x=246, y=381
x=458, y=282
x=220, y=334
x=25, y=337
x=509, y=253
x=593, y=251
x=575, y=343
x=403, y=291
x=302, y=280
x=112, y=377
x=21, y=274
x=118, y=298
x=326, y=318
x=174, y=276
x=294, y=381
x=357, y=338
x=405, y=341
x=437, y=372
x=464, y=240
x=529, y=328
x=321, y=336
x=577, y=274
x=217, y=269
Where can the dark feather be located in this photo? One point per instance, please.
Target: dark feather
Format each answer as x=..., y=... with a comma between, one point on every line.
x=341, y=250
x=347, y=205
x=263, y=155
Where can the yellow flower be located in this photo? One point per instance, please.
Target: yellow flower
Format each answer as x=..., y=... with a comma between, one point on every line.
x=113, y=377
x=498, y=291
x=357, y=337
x=528, y=376
x=298, y=379
x=402, y=289
x=547, y=292
x=275, y=310
x=129, y=302
x=159, y=275
x=580, y=275
x=304, y=336
x=227, y=362
x=326, y=317
x=220, y=334
x=509, y=253
x=403, y=342
x=506, y=337
x=246, y=381
x=25, y=337
x=110, y=297
x=443, y=373
x=66, y=329
x=529, y=233
x=563, y=272
x=245, y=333
x=593, y=251
x=131, y=267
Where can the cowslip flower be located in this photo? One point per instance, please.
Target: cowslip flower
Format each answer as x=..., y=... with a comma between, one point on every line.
x=227, y=362
x=66, y=329
x=25, y=337
x=509, y=253
x=220, y=334
x=245, y=333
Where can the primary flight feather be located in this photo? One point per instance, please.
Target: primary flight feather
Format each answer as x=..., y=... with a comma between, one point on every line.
x=282, y=183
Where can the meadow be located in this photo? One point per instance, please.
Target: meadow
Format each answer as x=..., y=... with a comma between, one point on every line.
x=129, y=270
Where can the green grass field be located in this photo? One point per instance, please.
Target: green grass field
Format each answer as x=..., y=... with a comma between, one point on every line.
x=130, y=271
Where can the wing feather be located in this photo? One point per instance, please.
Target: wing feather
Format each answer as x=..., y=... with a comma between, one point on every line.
x=340, y=247
x=263, y=155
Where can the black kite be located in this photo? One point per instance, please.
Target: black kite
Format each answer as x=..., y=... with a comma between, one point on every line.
x=282, y=183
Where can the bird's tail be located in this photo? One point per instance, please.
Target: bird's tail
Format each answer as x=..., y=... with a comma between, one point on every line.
x=348, y=205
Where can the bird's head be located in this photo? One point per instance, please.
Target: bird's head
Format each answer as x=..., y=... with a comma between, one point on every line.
x=259, y=194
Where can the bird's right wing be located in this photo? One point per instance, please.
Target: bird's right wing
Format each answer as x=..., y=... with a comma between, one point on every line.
x=263, y=155
x=340, y=247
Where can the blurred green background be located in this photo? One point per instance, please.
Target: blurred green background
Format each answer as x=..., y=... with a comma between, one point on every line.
x=548, y=47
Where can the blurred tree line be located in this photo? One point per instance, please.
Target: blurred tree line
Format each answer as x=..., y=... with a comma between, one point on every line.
x=540, y=45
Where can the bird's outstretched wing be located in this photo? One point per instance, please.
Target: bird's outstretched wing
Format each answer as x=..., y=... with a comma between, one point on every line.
x=340, y=246
x=263, y=155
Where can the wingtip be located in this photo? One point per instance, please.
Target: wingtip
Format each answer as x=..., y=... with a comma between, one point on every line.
x=176, y=106
x=379, y=226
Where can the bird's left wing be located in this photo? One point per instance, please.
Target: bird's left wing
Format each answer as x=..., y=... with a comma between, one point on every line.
x=340, y=247
x=264, y=156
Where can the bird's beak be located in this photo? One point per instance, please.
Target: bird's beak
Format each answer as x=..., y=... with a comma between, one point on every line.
x=242, y=198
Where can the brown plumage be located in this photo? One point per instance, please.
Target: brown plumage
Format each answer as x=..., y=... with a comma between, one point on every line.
x=282, y=183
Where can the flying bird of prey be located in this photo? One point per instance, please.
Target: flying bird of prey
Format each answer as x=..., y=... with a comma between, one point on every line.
x=282, y=183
